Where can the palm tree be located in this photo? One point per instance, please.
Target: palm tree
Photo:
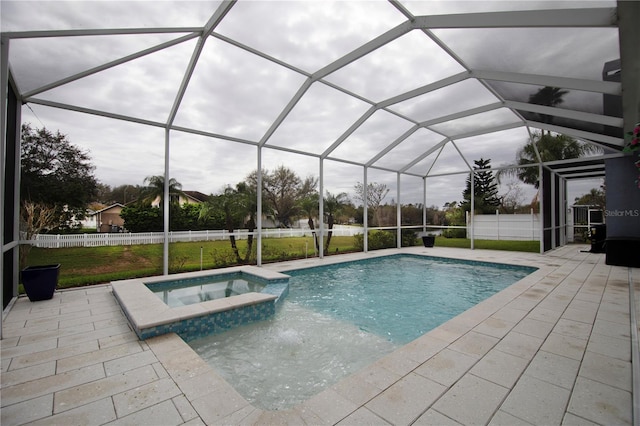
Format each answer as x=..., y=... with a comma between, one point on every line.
x=154, y=189
x=309, y=206
x=548, y=96
x=551, y=148
x=332, y=206
x=238, y=206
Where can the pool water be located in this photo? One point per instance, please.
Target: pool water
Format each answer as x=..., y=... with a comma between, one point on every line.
x=188, y=292
x=340, y=318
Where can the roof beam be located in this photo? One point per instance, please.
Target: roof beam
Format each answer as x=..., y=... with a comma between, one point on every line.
x=578, y=134
x=75, y=108
x=462, y=114
x=395, y=143
x=492, y=129
x=215, y=19
x=424, y=155
x=108, y=65
x=582, y=160
x=456, y=78
x=566, y=113
x=591, y=17
x=591, y=174
x=608, y=87
x=97, y=32
x=286, y=111
x=365, y=49
x=364, y=117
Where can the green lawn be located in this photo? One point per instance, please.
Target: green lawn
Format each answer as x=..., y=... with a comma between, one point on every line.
x=93, y=265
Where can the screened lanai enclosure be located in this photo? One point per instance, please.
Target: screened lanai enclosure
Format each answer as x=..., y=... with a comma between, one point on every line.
x=409, y=94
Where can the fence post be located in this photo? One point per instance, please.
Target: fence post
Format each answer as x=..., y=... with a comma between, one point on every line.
x=498, y=222
x=533, y=224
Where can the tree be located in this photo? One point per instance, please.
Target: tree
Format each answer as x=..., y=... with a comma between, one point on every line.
x=309, y=206
x=551, y=148
x=511, y=201
x=595, y=197
x=332, y=205
x=238, y=206
x=548, y=96
x=283, y=190
x=142, y=217
x=123, y=194
x=56, y=174
x=375, y=194
x=485, y=189
x=34, y=218
x=154, y=189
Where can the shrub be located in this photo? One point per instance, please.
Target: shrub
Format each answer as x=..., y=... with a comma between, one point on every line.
x=377, y=240
x=455, y=233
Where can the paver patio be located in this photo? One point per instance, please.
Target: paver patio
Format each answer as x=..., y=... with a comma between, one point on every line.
x=554, y=348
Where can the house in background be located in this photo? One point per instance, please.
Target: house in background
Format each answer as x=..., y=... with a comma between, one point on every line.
x=187, y=197
x=108, y=219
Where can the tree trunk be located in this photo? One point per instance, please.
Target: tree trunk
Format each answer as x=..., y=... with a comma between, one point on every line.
x=232, y=238
x=313, y=233
x=251, y=225
x=330, y=223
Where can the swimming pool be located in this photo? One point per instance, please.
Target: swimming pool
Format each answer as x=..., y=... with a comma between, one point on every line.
x=188, y=292
x=340, y=318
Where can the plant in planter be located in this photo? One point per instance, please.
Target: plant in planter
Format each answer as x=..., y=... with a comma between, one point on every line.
x=633, y=146
x=39, y=281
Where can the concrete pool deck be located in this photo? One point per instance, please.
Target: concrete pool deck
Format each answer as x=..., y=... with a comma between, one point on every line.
x=554, y=348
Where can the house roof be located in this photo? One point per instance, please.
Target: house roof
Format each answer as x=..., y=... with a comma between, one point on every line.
x=108, y=208
x=196, y=195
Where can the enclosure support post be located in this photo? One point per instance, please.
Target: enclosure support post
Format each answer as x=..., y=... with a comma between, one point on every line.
x=4, y=80
x=259, y=207
x=365, y=213
x=398, y=213
x=321, y=210
x=473, y=208
x=541, y=206
x=165, y=205
x=554, y=206
x=424, y=205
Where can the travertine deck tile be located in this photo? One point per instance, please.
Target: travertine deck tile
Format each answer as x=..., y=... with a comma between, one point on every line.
x=555, y=369
x=51, y=384
x=92, y=391
x=95, y=413
x=607, y=370
x=472, y=400
x=446, y=367
x=536, y=401
x=553, y=348
x=406, y=400
x=600, y=403
x=500, y=367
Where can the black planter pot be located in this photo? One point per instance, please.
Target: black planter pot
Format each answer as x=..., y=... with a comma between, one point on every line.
x=40, y=281
x=428, y=240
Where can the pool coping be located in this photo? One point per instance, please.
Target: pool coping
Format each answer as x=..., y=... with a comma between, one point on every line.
x=149, y=316
x=566, y=336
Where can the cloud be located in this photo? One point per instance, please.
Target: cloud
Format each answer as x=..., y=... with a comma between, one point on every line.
x=235, y=93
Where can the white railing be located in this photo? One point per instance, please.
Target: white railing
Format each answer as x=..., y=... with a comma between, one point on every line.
x=129, y=238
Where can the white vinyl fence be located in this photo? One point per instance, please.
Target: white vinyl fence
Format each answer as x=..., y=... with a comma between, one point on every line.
x=505, y=227
x=129, y=238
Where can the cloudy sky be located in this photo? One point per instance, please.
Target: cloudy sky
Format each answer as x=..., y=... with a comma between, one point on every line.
x=237, y=94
